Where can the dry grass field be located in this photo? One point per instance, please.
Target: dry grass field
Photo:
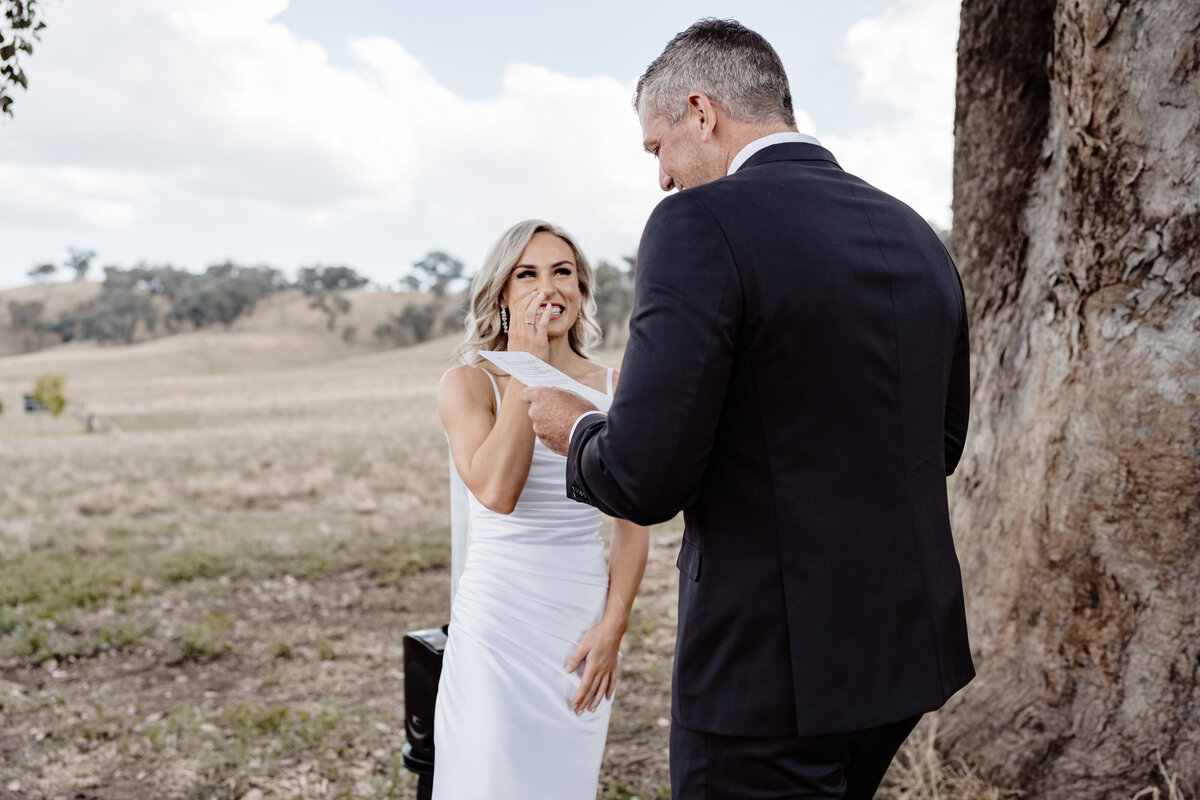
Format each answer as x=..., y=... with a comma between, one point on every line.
x=205, y=596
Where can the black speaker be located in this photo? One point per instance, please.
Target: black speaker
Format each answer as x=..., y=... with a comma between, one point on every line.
x=422, y=670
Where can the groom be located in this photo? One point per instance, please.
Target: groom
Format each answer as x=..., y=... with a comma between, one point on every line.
x=796, y=381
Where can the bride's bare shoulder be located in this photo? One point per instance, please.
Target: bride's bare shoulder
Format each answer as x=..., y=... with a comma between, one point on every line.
x=597, y=376
x=465, y=384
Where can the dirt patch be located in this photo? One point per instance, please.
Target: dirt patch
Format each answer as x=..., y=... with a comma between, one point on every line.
x=165, y=719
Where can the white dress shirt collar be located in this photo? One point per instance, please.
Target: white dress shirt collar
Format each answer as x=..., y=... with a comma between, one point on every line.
x=766, y=141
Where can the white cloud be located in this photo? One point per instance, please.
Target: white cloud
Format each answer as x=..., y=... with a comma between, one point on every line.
x=144, y=111
x=906, y=59
x=197, y=130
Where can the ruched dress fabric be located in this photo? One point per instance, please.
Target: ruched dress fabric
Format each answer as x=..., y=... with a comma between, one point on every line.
x=534, y=582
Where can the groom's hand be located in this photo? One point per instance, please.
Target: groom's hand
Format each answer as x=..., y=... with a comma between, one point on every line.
x=553, y=412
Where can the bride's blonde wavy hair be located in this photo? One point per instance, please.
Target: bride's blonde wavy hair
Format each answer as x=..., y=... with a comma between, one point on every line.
x=484, y=331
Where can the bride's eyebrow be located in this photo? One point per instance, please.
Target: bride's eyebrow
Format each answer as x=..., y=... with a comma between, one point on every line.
x=566, y=261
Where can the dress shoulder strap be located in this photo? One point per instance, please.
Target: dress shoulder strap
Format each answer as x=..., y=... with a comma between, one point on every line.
x=609, y=384
x=495, y=386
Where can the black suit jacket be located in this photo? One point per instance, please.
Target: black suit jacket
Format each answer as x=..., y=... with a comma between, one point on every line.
x=796, y=381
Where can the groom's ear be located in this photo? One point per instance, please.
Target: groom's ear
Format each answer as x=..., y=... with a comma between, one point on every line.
x=703, y=110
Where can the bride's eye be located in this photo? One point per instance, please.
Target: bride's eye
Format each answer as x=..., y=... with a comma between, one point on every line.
x=526, y=273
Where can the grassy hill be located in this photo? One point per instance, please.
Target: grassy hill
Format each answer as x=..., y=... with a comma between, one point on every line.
x=57, y=297
x=284, y=313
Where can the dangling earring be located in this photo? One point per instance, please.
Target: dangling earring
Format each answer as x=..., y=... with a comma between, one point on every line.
x=504, y=319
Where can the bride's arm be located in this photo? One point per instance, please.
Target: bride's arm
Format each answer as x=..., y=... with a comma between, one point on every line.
x=599, y=646
x=492, y=450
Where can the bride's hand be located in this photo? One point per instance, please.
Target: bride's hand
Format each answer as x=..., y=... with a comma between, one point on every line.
x=527, y=327
x=597, y=652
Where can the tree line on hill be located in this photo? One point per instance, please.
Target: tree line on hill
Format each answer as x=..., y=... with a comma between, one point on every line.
x=163, y=299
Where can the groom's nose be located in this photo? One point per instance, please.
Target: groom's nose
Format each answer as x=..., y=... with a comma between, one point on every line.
x=664, y=181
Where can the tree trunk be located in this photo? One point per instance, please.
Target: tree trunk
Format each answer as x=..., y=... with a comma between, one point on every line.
x=1077, y=503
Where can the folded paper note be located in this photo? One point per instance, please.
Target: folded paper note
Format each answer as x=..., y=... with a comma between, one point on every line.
x=532, y=371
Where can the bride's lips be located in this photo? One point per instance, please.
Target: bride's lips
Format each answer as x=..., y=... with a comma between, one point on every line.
x=556, y=310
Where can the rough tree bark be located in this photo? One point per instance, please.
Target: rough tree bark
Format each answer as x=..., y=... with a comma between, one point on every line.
x=1077, y=503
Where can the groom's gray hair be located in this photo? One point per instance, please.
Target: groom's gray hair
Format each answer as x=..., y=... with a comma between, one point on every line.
x=737, y=68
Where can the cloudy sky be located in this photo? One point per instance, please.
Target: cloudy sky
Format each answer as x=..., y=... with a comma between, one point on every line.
x=369, y=132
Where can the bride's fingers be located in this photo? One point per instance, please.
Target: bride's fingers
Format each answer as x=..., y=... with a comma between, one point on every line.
x=542, y=322
x=588, y=697
x=612, y=686
x=580, y=698
x=587, y=689
x=581, y=694
x=601, y=690
x=531, y=306
x=576, y=658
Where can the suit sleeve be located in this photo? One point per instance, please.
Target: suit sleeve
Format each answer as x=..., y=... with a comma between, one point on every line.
x=958, y=397
x=646, y=460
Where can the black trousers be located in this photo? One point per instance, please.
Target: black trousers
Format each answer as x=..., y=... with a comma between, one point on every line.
x=843, y=766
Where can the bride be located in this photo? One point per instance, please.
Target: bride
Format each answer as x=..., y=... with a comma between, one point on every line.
x=531, y=662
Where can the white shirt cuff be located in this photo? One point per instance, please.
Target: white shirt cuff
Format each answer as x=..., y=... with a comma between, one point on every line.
x=582, y=417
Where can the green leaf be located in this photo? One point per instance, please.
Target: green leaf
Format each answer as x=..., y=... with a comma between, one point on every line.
x=7, y=52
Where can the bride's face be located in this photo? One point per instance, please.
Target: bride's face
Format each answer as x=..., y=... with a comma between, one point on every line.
x=547, y=264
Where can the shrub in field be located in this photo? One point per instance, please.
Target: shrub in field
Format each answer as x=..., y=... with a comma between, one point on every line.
x=49, y=391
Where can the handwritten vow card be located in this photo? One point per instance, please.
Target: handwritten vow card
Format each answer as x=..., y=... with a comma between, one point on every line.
x=532, y=371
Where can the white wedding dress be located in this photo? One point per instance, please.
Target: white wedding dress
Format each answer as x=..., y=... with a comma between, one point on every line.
x=534, y=582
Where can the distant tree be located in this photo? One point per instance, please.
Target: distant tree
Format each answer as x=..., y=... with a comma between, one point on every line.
x=332, y=303
x=25, y=316
x=221, y=294
x=456, y=317
x=49, y=391
x=613, y=290
x=26, y=320
x=79, y=261
x=64, y=327
x=436, y=272
x=324, y=284
x=42, y=271
x=329, y=278
x=20, y=27
x=165, y=281
x=114, y=316
x=413, y=325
